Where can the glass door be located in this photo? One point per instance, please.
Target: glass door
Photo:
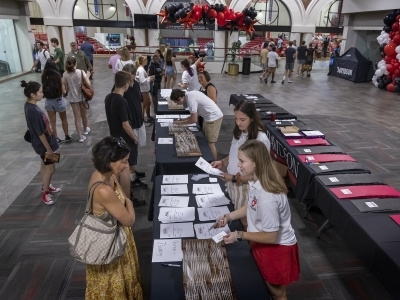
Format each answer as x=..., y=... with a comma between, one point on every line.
x=9, y=55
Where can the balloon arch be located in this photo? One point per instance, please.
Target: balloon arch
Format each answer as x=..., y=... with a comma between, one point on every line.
x=387, y=75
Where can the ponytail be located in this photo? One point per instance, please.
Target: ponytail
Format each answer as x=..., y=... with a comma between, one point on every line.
x=186, y=65
x=140, y=61
x=32, y=87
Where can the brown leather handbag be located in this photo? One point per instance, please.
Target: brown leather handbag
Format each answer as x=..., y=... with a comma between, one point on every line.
x=86, y=90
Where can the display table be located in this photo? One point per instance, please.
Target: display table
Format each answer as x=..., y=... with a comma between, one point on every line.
x=167, y=282
x=164, y=110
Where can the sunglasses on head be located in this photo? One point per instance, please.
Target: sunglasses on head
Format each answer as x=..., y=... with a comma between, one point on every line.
x=120, y=143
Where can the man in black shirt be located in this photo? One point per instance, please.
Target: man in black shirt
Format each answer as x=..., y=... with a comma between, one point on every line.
x=289, y=66
x=301, y=57
x=117, y=113
x=156, y=71
x=325, y=44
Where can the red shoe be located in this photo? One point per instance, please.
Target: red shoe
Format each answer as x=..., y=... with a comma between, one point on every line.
x=52, y=189
x=46, y=198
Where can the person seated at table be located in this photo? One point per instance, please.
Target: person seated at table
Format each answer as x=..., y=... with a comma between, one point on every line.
x=273, y=241
x=248, y=126
x=190, y=80
x=207, y=88
x=200, y=105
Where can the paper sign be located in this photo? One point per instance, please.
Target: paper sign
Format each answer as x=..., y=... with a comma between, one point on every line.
x=165, y=120
x=346, y=191
x=164, y=124
x=323, y=167
x=206, y=167
x=174, y=201
x=174, y=189
x=213, y=179
x=310, y=157
x=175, y=179
x=333, y=179
x=210, y=188
x=371, y=204
x=167, y=250
x=307, y=150
x=165, y=141
x=219, y=237
x=212, y=213
x=193, y=129
x=202, y=230
x=296, y=142
x=176, y=214
x=176, y=230
x=167, y=117
x=211, y=200
x=162, y=102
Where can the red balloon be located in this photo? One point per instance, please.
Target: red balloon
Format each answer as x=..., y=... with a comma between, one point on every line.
x=220, y=16
x=398, y=18
x=196, y=8
x=233, y=16
x=238, y=14
x=395, y=26
x=390, y=68
x=226, y=8
x=388, y=59
x=397, y=72
x=241, y=21
x=390, y=49
x=198, y=14
x=227, y=15
x=396, y=65
x=221, y=22
x=396, y=39
x=212, y=13
x=206, y=7
x=390, y=87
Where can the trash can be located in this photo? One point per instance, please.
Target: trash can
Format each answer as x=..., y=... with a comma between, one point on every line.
x=246, y=66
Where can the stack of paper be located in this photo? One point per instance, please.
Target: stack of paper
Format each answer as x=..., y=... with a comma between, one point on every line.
x=174, y=201
x=171, y=179
x=313, y=134
x=199, y=176
x=176, y=230
x=167, y=117
x=211, y=200
x=210, y=188
x=206, y=167
x=212, y=213
x=174, y=189
x=167, y=250
x=165, y=93
x=203, y=230
x=174, y=214
x=165, y=141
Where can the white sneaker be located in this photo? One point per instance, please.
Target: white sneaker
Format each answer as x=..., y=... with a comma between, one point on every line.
x=289, y=81
x=82, y=139
x=87, y=130
x=297, y=75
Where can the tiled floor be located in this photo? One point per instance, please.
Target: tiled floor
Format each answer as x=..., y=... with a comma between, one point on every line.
x=34, y=257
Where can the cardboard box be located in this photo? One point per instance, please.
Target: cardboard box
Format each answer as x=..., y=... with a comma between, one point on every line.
x=289, y=129
x=282, y=169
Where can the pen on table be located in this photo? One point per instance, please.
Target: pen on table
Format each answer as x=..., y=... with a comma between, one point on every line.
x=172, y=265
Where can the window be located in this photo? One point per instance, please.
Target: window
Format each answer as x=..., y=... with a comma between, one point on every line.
x=271, y=12
x=331, y=15
x=112, y=10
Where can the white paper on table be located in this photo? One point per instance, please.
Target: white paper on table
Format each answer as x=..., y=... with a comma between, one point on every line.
x=162, y=102
x=212, y=179
x=167, y=92
x=193, y=124
x=312, y=133
x=251, y=97
x=211, y=200
x=174, y=189
x=212, y=213
x=165, y=124
x=176, y=230
x=199, y=176
x=292, y=134
x=167, y=116
x=203, y=233
x=170, y=179
x=207, y=188
x=193, y=129
x=219, y=237
x=174, y=201
x=184, y=116
x=165, y=120
x=206, y=167
x=176, y=214
x=167, y=250
x=165, y=141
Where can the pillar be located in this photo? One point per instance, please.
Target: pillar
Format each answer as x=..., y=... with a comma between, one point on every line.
x=53, y=32
x=219, y=42
x=295, y=36
x=25, y=44
x=153, y=38
x=140, y=38
x=349, y=34
x=68, y=37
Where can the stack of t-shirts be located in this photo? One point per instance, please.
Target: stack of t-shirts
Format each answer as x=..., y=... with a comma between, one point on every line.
x=308, y=142
x=321, y=158
x=365, y=191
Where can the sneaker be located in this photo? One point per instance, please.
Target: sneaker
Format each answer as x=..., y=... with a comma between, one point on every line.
x=87, y=130
x=273, y=81
x=60, y=141
x=266, y=81
x=138, y=184
x=283, y=81
x=289, y=81
x=52, y=189
x=261, y=79
x=46, y=198
x=68, y=139
x=82, y=139
x=140, y=174
x=298, y=75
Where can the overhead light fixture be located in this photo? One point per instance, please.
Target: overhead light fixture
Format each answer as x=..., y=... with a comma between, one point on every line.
x=112, y=7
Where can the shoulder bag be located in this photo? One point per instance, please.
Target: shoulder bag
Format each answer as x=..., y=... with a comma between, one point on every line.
x=96, y=241
x=86, y=91
x=27, y=135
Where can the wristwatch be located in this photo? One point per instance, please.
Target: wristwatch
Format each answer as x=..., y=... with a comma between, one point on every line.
x=239, y=236
x=234, y=178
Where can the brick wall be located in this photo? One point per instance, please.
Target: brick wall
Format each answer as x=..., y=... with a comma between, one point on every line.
x=306, y=3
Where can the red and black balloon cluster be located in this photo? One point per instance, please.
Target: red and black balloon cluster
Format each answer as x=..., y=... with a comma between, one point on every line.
x=190, y=14
x=387, y=75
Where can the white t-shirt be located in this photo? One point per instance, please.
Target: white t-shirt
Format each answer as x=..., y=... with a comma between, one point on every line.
x=43, y=56
x=204, y=106
x=269, y=212
x=74, y=80
x=272, y=57
x=235, y=145
x=192, y=81
x=143, y=79
x=121, y=63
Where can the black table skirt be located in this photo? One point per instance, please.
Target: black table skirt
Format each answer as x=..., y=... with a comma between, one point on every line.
x=167, y=282
x=236, y=98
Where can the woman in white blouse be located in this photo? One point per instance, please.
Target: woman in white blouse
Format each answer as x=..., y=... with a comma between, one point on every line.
x=144, y=83
x=248, y=127
x=190, y=81
x=123, y=60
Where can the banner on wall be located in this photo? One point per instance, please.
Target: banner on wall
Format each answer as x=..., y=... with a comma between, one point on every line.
x=96, y=7
x=271, y=2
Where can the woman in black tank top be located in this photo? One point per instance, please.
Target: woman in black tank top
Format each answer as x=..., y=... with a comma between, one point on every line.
x=208, y=89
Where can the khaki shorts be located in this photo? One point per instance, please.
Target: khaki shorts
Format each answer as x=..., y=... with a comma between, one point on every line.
x=271, y=69
x=211, y=130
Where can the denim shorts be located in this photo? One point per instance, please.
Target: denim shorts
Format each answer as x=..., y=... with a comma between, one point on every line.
x=57, y=105
x=301, y=61
x=169, y=70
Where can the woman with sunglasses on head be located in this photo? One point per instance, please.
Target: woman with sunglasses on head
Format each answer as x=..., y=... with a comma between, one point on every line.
x=272, y=238
x=119, y=279
x=190, y=81
x=43, y=140
x=248, y=126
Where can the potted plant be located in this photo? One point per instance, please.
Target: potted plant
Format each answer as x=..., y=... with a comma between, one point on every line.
x=233, y=67
x=159, y=39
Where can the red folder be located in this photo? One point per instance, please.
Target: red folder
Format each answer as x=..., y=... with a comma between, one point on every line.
x=323, y=158
x=307, y=142
x=396, y=218
x=365, y=191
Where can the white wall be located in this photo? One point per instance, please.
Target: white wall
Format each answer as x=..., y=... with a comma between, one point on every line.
x=354, y=6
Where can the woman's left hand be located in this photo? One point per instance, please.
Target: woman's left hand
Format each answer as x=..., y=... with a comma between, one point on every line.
x=231, y=238
x=226, y=177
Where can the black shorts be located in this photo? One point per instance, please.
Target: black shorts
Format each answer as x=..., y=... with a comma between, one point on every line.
x=133, y=154
x=45, y=163
x=156, y=88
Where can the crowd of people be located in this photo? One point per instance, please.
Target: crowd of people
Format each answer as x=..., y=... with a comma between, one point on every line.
x=253, y=184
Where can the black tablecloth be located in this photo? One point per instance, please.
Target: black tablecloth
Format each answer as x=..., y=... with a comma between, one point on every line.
x=236, y=98
x=167, y=282
x=163, y=109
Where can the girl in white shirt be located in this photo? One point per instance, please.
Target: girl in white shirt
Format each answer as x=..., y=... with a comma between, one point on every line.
x=144, y=82
x=248, y=127
x=273, y=242
x=190, y=81
x=123, y=60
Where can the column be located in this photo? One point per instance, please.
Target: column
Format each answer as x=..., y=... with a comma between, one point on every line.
x=219, y=42
x=295, y=36
x=140, y=38
x=349, y=34
x=22, y=31
x=153, y=38
x=53, y=32
x=68, y=37
x=308, y=38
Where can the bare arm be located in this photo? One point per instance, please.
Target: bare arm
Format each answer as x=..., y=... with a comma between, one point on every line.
x=174, y=65
x=45, y=143
x=212, y=93
x=63, y=87
x=128, y=129
x=190, y=120
x=183, y=85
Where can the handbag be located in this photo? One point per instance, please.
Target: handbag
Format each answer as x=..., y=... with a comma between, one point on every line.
x=27, y=136
x=97, y=241
x=86, y=90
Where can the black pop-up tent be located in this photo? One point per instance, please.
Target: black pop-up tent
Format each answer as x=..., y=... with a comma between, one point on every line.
x=353, y=66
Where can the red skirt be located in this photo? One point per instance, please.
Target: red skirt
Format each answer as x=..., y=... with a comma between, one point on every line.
x=278, y=264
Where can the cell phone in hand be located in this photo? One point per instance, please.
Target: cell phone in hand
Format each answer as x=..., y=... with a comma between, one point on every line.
x=55, y=158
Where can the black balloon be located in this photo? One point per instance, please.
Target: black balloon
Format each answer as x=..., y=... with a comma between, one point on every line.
x=219, y=7
x=179, y=6
x=389, y=19
x=247, y=12
x=381, y=86
x=191, y=5
x=247, y=20
x=383, y=55
x=396, y=81
x=176, y=16
x=387, y=29
x=171, y=8
x=253, y=14
x=396, y=89
x=252, y=8
x=382, y=47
